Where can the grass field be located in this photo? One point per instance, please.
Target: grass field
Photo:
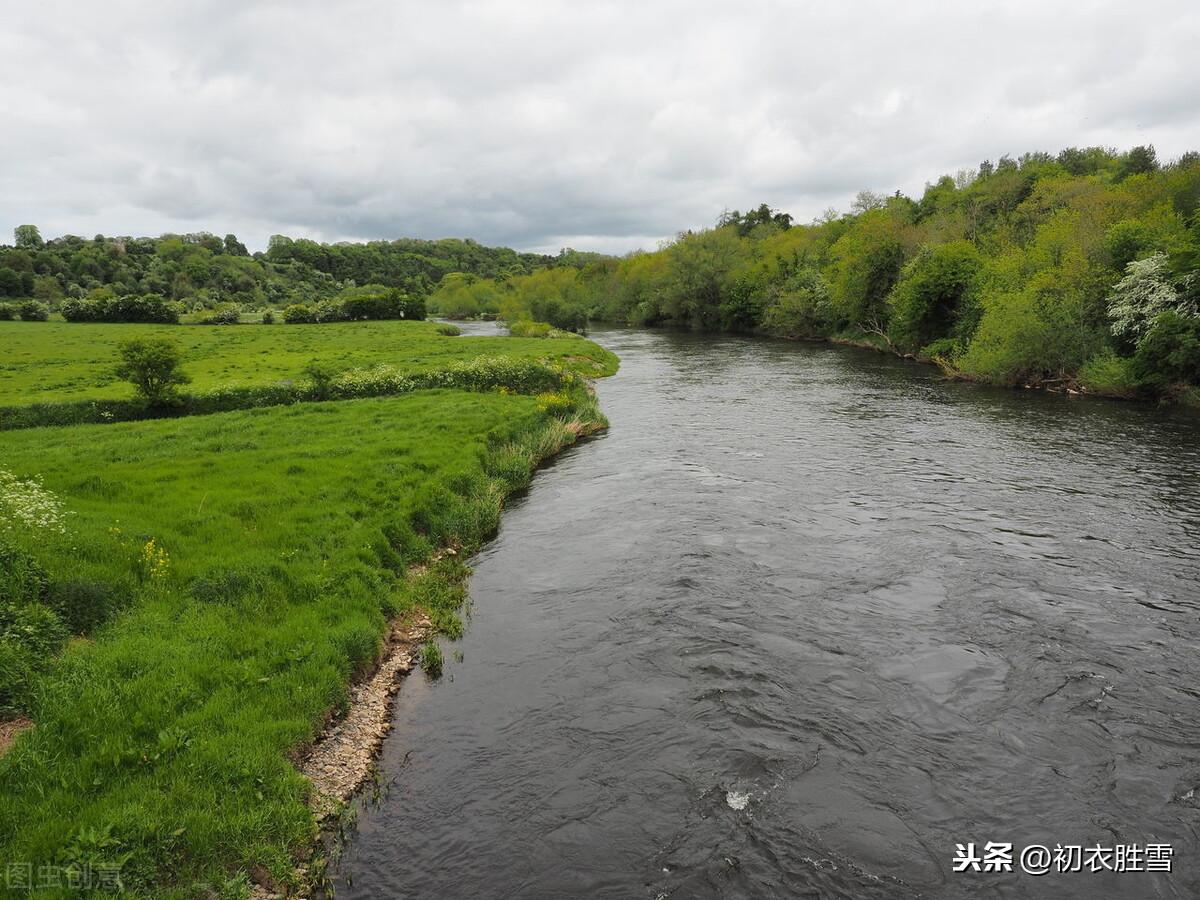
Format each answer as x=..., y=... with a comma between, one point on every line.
x=230, y=574
x=281, y=539
x=61, y=361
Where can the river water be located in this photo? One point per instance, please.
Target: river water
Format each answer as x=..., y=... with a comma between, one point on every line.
x=803, y=620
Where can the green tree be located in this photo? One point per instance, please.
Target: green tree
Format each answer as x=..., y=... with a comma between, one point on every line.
x=866, y=263
x=153, y=366
x=1137, y=161
x=27, y=237
x=931, y=293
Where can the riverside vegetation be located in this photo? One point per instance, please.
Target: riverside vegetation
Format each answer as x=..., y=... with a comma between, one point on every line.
x=1075, y=271
x=184, y=599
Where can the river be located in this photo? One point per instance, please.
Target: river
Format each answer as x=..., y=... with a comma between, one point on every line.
x=803, y=620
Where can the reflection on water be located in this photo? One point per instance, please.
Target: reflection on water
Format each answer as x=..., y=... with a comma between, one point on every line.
x=803, y=620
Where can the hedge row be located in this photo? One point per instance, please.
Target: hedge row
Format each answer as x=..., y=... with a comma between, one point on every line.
x=485, y=373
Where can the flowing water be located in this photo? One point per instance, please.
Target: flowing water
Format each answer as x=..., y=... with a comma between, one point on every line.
x=801, y=622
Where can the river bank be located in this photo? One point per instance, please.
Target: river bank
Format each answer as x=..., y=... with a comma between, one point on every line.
x=341, y=760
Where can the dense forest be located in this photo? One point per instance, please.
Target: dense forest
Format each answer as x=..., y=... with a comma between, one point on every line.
x=203, y=274
x=1074, y=271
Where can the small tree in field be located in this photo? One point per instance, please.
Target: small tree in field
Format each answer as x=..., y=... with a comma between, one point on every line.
x=153, y=366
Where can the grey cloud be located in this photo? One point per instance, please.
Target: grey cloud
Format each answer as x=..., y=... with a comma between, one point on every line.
x=542, y=124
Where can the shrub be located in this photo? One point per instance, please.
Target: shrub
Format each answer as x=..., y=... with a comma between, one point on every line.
x=35, y=628
x=299, y=314
x=800, y=307
x=321, y=375
x=942, y=348
x=529, y=329
x=230, y=315
x=153, y=366
x=8, y=312
x=268, y=317
x=101, y=305
x=329, y=311
x=85, y=605
x=1110, y=375
x=931, y=292
x=1024, y=338
x=33, y=311
x=449, y=330
x=1169, y=354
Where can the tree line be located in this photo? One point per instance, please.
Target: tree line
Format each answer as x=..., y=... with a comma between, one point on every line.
x=1078, y=269
x=157, y=279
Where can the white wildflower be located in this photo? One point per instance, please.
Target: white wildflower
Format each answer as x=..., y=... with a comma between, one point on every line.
x=26, y=502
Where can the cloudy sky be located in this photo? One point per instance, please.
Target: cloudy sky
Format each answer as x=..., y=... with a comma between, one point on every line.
x=538, y=125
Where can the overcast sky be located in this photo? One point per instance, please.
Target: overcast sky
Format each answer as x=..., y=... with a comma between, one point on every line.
x=539, y=125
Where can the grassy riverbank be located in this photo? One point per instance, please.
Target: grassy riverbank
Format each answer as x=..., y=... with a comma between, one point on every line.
x=230, y=575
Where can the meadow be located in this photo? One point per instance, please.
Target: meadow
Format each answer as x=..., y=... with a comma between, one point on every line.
x=186, y=600
x=54, y=362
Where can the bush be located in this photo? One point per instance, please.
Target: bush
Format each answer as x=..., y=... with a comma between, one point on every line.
x=800, y=307
x=932, y=290
x=321, y=375
x=33, y=627
x=373, y=302
x=529, y=329
x=268, y=317
x=8, y=312
x=1022, y=338
x=449, y=330
x=1110, y=375
x=299, y=314
x=230, y=315
x=101, y=305
x=1169, y=354
x=942, y=348
x=85, y=605
x=153, y=367
x=33, y=311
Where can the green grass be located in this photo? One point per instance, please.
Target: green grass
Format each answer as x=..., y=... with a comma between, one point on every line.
x=62, y=361
x=282, y=541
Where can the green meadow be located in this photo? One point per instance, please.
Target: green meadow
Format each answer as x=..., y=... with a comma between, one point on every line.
x=47, y=362
x=184, y=601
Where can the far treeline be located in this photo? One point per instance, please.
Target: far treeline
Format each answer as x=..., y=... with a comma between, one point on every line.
x=205, y=278
x=1076, y=271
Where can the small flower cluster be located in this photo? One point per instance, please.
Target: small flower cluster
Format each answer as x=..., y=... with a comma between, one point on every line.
x=155, y=560
x=558, y=404
x=26, y=502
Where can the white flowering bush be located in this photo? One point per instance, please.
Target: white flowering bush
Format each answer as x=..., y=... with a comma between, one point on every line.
x=1144, y=292
x=24, y=502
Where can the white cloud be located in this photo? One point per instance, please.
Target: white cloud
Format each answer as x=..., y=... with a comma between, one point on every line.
x=543, y=124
